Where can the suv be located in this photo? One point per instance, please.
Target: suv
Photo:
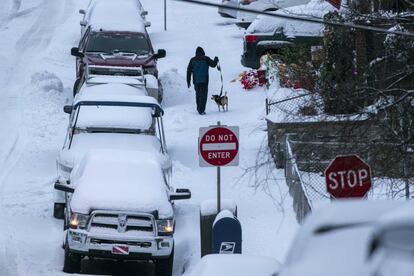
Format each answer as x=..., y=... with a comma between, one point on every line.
x=257, y=45
x=120, y=207
x=108, y=41
x=269, y=34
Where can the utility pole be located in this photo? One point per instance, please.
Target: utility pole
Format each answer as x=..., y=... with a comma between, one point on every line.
x=165, y=15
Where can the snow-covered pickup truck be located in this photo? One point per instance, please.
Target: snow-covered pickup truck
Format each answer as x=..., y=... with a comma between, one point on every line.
x=103, y=120
x=121, y=207
x=114, y=41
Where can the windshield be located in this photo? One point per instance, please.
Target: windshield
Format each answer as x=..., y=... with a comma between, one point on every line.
x=402, y=239
x=114, y=119
x=118, y=42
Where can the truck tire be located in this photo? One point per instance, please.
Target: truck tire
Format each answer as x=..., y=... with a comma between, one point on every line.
x=59, y=210
x=164, y=267
x=160, y=92
x=76, y=86
x=72, y=261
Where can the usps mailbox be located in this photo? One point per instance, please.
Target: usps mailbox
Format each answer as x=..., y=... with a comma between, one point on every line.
x=227, y=234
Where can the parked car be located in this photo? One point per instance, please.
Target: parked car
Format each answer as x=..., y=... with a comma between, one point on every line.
x=144, y=84
x=392, y=245
x=335, y=240
x=235, y=265
x=244, y=18
x=269, y=34
x=102, y=6
x=120, y=206
x=115, y=40
x=103, y=120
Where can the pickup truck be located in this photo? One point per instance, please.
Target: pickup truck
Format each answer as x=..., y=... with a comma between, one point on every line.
x=120, y=206
x=256, y=45
x=109, y=116
x=109, y=41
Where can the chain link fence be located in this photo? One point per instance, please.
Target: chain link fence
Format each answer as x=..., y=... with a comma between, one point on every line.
x=305, y=145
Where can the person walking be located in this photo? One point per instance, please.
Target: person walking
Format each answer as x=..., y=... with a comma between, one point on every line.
x=198, y=67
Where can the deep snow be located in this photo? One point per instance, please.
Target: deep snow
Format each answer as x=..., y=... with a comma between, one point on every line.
x=37, y=74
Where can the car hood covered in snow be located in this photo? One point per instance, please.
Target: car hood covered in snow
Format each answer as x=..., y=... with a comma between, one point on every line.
x=120, y=181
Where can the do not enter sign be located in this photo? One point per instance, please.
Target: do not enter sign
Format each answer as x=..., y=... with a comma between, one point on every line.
x=219, y=146
x=348, y=176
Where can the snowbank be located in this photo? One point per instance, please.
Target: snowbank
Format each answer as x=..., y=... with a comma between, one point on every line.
x=209, y=207
x=237, y=264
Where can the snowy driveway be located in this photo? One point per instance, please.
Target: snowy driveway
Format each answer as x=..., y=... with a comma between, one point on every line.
x=36, y=78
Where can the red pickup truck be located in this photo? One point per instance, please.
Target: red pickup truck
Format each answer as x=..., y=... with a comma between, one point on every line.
x=108, y=48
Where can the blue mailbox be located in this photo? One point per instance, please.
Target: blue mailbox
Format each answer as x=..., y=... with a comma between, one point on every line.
x=227, y=234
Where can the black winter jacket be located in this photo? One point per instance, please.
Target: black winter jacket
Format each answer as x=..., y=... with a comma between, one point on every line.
x=198, y=67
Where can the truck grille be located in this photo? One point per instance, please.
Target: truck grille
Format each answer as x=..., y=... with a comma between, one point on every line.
x=122, y=222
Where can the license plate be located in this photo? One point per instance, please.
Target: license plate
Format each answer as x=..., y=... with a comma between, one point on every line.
x=120, y=250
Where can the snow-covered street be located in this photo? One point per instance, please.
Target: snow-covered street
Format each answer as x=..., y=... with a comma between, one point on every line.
x=37, y=75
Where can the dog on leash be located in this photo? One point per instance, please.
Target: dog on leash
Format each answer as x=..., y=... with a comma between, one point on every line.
x=221, y=101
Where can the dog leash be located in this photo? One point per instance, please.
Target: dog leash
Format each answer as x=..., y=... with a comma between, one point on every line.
x=221, y=76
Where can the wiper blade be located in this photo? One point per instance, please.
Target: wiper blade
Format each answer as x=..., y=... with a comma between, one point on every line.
x=99, y=52
x=117, y=130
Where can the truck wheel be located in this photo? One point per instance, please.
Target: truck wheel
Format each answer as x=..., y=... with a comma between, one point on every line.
x=72, y=261
x=59, y=210
x=160, y=92
x=164, y=267
x=76, y=87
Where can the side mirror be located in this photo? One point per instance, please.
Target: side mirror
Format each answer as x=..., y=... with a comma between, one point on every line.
x=147, y=24
x=160, y=54
x=75, y=52
x=82, y=11
x=64, y=187
x=180, y=194
x=67, y=109
x=144, y=13
x=83, y=23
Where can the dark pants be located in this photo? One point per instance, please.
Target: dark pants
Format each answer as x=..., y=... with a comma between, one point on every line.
x=201, y=96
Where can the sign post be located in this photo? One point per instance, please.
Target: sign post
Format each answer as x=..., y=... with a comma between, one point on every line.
x=165, y=15
x=218, y=146
x=348, y=177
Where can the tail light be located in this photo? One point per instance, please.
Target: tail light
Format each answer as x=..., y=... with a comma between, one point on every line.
x=250, y=38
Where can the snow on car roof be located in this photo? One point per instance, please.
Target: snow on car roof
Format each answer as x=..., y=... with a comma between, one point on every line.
x=292, y=28
x=109, y=15
x=126, y=117
x=235, y=265
x=84, y=142
x=114, y=116
x=130, y=181
x=114, y=99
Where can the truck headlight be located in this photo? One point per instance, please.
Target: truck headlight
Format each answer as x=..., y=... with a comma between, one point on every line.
x=78, y=221
x=165, y=227
x=150, y=70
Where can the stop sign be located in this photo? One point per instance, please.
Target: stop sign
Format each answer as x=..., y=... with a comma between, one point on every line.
x=348, y=176
x=219, y=146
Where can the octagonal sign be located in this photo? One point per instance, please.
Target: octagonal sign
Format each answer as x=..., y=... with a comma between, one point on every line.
x=348, y=177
